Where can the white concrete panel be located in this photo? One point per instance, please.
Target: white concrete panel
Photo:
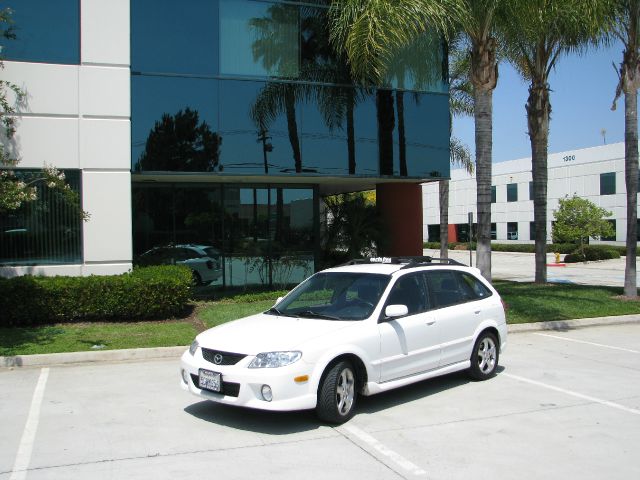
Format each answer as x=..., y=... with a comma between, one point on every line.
x=49, y=89
x=105, y=31
x=105, y=144
x=40, y=140
x=105, y=91
x=106, y=269
x=107, y=234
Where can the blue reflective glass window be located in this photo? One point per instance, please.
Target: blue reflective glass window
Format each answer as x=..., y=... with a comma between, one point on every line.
x=419, y=66
x=174, y=124
x=45, y=31
x=260, y=125
x=46, y=231
x=425, y=120
x=259, y=39
x=173, y=37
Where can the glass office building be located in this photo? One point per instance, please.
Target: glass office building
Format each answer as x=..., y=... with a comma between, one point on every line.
x=242, y=119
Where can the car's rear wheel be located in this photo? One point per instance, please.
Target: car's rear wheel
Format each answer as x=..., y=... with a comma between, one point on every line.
x=484, y=358
x=337, y=394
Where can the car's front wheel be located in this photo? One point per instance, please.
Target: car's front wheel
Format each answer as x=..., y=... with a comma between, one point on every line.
x=337, y=394
x=484, y=357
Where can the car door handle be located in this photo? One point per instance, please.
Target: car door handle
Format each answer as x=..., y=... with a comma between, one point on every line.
x=477, y=312
x=431, y=322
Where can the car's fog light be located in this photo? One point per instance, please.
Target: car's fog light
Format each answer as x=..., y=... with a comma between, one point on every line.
x=185, y=376
x=267, y=395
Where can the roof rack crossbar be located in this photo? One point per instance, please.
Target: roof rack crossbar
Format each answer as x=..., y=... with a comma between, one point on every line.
x=405, y=261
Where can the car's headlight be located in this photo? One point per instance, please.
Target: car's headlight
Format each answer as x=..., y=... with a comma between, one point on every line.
x=275, y=359
x=194, y=346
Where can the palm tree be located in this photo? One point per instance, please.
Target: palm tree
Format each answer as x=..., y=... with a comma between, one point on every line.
x=371, y=31
x=627, y=30
x=539, y=33
x=371, y=34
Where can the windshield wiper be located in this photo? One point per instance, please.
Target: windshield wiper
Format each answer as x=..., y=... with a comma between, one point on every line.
x=312, y=314
x=275, y=311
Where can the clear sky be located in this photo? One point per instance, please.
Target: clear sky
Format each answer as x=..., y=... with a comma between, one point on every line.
x=582, y=91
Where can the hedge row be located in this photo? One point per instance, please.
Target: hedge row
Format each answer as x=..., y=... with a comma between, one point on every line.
x=593, y=253
x=564, y=248
x=145, y=293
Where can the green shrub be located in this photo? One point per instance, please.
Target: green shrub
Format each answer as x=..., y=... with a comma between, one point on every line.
x=593, y=253
x=149, y=292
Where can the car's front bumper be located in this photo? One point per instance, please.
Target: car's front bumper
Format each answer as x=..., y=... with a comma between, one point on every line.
x=242, y=386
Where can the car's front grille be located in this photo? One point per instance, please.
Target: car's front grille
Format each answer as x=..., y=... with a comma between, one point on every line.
x=221, y=358
x=228, y=388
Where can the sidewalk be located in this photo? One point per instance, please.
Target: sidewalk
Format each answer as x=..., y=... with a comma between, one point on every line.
x=129, y=355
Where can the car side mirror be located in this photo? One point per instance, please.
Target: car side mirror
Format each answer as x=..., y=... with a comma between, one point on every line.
x=395, y=311
x=278, y=300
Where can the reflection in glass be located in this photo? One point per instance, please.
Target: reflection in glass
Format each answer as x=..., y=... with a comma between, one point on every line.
x=46, y=31
x=259, y=39
x=254, y=235
x=181, y=142
x=174, y=38
x=46, y=231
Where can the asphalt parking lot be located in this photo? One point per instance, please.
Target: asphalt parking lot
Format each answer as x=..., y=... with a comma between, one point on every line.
x=564, y=405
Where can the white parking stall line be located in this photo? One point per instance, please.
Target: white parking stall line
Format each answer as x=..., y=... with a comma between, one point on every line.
x=395, y=457
x=573, y=394
x=587, y=343
x=23, y=457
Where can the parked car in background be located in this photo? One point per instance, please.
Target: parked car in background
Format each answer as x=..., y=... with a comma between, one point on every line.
x=204, y=261
x=359, y=329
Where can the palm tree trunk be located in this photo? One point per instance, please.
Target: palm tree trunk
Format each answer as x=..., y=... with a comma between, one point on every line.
x=292, y=126
x=538, y=114
x=443, y=189
x=351, y=135
x=402, y=150
x=483, y=116
x=386, y=124
x=631, y=180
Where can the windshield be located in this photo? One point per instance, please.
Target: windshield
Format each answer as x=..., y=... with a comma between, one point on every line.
x=334, y=296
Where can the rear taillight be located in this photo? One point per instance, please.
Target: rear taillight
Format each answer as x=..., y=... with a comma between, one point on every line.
x=504, y=305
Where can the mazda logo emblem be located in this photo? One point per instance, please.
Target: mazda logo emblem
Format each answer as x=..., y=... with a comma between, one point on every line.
x=217, y=359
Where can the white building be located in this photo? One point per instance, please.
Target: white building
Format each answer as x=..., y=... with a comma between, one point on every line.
x=596, y=174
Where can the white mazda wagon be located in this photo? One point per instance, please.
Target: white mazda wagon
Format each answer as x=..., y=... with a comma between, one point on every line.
x=359, y=329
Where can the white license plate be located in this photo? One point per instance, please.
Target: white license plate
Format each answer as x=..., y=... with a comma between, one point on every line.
x=209, y=380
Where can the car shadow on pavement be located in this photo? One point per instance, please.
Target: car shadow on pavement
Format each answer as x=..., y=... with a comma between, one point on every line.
x=285, y=423
x=260, y=421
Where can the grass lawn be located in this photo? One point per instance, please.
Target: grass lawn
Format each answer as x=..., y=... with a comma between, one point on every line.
x=526, y=302
x=81, y=337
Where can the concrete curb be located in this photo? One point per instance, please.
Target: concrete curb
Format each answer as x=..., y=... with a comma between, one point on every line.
x=135, y=354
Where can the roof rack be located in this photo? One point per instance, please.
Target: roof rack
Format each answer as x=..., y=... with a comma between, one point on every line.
x=406, y=262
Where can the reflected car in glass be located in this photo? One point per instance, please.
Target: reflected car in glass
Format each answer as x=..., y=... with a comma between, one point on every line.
x=204, y=261
x=358, y=329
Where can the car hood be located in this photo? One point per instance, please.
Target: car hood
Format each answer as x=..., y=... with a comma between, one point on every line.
x=267, y=333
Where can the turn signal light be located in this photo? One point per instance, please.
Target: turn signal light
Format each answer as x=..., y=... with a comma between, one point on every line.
x=301, y=379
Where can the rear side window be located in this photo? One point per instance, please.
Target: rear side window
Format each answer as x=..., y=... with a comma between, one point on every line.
x=444, y=287
x=472, y=287
x=449, y=287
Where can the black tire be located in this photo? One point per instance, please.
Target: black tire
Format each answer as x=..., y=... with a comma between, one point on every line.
x=484, y=357
x=337, y=394
x=196, y=279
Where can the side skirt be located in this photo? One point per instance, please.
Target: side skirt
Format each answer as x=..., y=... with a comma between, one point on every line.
x=371, y=388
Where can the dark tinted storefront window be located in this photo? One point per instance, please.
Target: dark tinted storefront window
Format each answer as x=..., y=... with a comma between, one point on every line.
x=167, y=37
x=607, y=183
x=271, y=98
x=247, y=127
x=512, y=192
x=433, y=232
x=47, y=231
x=258, y=235
x=46, y=31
